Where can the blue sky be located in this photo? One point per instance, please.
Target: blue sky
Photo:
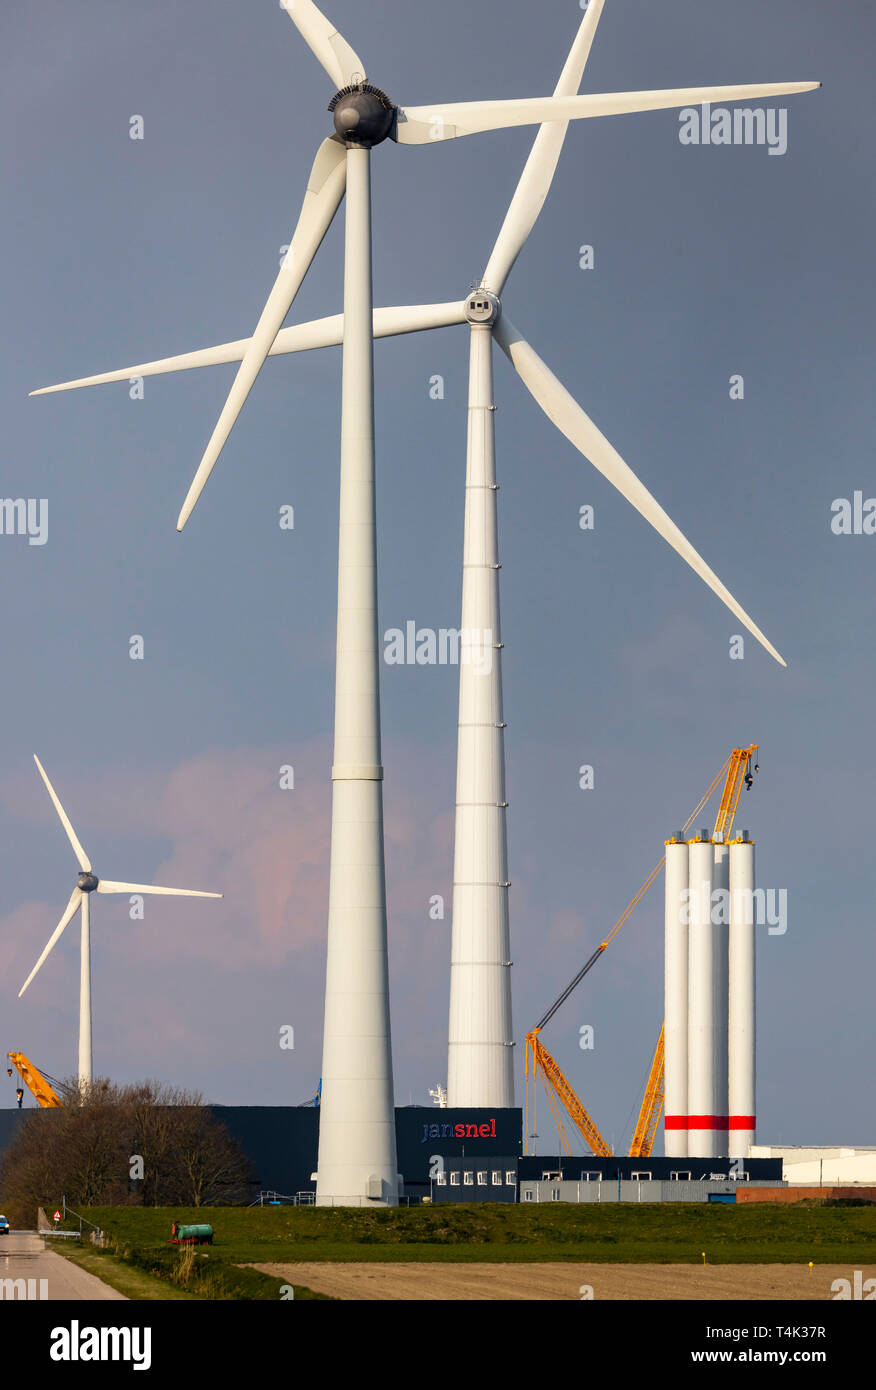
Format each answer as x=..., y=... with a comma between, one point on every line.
x=709, y=262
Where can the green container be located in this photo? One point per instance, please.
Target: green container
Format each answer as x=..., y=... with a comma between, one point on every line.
x=194, y=1233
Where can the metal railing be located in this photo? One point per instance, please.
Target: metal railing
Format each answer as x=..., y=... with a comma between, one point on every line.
x=58, y=1234
x=281, y=1199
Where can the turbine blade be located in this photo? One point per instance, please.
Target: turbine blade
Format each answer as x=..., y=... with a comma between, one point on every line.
x=541, y=165
x=302, y=337
x=106, y=886
x=82, y=857
x=203, y=357
x=425, y=125
x=330, y=48
x=386, y=323
x=571, y=421
x=69, y=913
x=325, y=189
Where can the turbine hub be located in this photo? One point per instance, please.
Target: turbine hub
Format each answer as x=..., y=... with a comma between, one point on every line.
x=481, y=306
x=364, y=115
x=87, y=882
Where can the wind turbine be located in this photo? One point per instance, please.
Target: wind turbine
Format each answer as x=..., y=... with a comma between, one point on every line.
x=480, y=1034
x=86, y=884
x=357, y=1154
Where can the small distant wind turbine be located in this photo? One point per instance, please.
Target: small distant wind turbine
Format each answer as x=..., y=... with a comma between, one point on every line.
x=86, y=884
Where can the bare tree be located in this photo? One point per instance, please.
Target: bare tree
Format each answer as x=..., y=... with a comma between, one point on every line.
x=86, y=1151
x=208, y=1161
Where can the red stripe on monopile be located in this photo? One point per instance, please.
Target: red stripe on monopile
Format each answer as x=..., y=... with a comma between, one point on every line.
x=743, y=1122
x=707, y=1121
x=675, y=1122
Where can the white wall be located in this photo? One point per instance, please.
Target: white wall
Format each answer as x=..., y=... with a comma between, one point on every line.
x=815, y=1166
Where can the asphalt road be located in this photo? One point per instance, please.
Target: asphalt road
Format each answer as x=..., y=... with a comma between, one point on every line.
x=23, y=1256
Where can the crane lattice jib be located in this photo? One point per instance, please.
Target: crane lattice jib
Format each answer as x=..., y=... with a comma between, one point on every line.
x=740, y=765
x=34, y=1080
x=550, y=1072
x=652, y=1106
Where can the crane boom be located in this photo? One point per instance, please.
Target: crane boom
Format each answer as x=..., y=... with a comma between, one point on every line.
x=652, y=1106
x=739, y=771
x=545, y=1065
x=727, y=768
x=34, y=1080
x=546, y=1018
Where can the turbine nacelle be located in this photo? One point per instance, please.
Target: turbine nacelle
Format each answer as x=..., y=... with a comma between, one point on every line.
x=482, y=306
x=87, y=883
x=364, y=115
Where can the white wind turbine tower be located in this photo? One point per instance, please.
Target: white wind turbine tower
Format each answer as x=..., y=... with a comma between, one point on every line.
x=357, y=1156
x=480, y=1059
x=480, y=1041
x=86, y=884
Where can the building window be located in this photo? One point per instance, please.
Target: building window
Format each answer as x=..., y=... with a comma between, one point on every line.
x=497, y=1177
x=510, y=1179
x=454, y=1179
x=555, y=1194
x=482, y=1177
x=468, y=1179
x=441, y=1179
x=551, y=1175
x=527, y=1194
x=590, y=1176
x=641, y=1177
x=680, y=1177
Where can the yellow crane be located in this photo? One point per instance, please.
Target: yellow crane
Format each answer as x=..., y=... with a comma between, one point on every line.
x=34, y=1080
x=652, y=1106
x=557, y=1088
x=540, y=1065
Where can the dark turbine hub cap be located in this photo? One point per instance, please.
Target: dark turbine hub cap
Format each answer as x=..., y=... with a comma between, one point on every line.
x=88, y=882
x=363, y=115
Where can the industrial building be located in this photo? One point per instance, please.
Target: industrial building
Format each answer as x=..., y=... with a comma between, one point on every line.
x=590, y=1179
x=468, y=1155
x=831, y=1166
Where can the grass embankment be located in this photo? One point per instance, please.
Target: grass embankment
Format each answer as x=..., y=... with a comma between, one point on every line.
x=147, y=1269
x=652, y=1234
x=132, y=1282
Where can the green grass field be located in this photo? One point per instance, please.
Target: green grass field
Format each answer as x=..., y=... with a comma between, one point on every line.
x=658, y=1234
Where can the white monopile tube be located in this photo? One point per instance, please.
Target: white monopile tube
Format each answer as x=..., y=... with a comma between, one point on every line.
x=675, y=999
x=742, y=1104
x=701, y=1039
x=721, y=987
x=357, y=1163
x=479, y=1068
x=85, y=1054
